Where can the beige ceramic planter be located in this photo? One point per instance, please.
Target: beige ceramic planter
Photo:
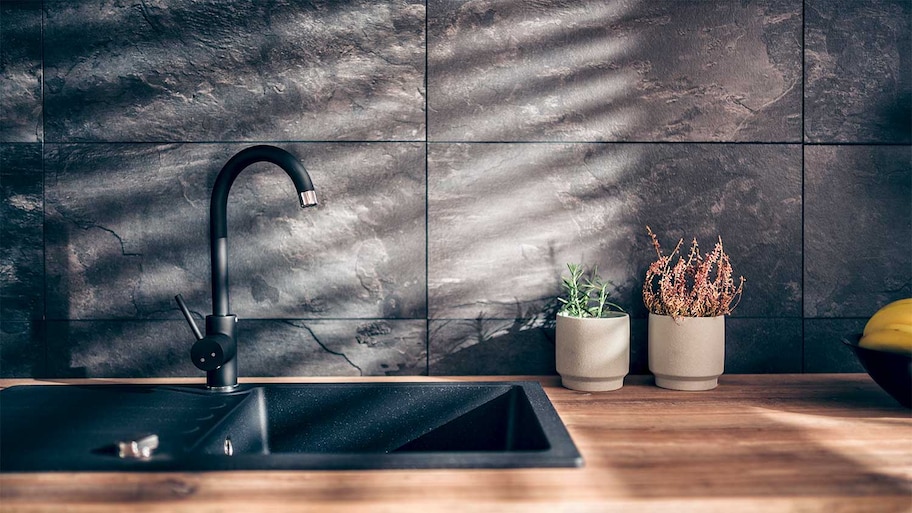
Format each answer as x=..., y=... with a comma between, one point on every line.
x=593, y=355
x=688, y=354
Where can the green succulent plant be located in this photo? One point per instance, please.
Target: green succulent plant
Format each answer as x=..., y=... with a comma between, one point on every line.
x=585, y=296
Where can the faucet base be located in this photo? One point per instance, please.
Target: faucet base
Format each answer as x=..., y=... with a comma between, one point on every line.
x=228, y=388
x=225, y=376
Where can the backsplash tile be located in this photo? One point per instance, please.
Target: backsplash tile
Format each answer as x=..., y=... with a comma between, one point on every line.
x=526, y=347
x=763, y=346
x=265, y=348
x=234, y=71
x=463, y=152
x=660, y=70
x=505, y=218
x=823, y=347
x=22, y=349
x=21, y=232
x=490, y=347
x=858, y=229
x=119, y=349
x=382, y=347
x=121, y=247
x=858, y=71
x=20, y=72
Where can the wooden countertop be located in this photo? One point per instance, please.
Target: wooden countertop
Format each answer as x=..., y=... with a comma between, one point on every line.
x=828, y=443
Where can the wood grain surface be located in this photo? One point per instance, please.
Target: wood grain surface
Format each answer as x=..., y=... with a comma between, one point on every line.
x=828, y=443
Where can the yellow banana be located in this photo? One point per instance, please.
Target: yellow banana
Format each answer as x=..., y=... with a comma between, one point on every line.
x=898, y=312
x=894, y=341
x=899, y=327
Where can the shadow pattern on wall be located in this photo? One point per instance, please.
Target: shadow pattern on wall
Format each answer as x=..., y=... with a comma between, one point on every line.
x=547, y=132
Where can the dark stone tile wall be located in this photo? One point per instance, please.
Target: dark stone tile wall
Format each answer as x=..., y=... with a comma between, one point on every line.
x=21, y=260
x=504, y=218
x=243, y=70
x=858, y=247
x=463, y=153
x=858, y=217
x=613, y=71
x=113, y=251
x=266, y=348
x=858, y=65
x=20, y=72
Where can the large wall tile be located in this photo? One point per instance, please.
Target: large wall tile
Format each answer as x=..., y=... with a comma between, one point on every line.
x=22, y=349
x=21, y=232
x=494, y=347
x=265, y=348
x=505, y=218
x=490, y=347
x=763, y=346
x=858, y=71
x=823, y=347
x=128, y=228
x=332, y=348
x=612, y=71
x=486, y=346
x=234, y=71
x=20, y=72
x=119, y=349
x=858, y=229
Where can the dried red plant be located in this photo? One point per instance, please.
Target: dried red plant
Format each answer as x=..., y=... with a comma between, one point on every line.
x=696, y=286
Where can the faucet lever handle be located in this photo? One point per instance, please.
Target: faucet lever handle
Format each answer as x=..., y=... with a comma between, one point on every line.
x=186, y=311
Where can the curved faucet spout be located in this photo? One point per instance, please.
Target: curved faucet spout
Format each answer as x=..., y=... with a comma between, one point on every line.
x=216, y=353
x=218, y=218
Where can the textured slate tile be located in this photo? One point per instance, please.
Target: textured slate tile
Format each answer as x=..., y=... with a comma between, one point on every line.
x=505, y=218
x=495, y=347
x=21, y=232
x=22, y=349
x=606, y=71
x=211, y=70
x=763, y=346
x=858, y=229
x=823, y=347
x=859, y=75
x=477, y=347
x=332, y=348
x=265, y=348
x=119, y=349
x=128, y=228
x=20, y=72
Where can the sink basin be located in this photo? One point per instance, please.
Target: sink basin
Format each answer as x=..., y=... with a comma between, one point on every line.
x=283, y=426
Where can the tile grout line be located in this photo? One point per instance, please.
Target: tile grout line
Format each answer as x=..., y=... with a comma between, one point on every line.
x=803, y=196
x=427, y=188
x=505, y=141
x=45, y=364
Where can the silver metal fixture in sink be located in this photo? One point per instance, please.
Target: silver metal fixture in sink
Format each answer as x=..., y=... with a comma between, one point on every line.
x=216, y=353
x=281, y=426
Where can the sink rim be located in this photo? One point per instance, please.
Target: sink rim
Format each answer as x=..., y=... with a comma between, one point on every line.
x=562, y=451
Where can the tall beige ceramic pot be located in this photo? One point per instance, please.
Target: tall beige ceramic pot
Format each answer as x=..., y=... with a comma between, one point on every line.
x=593, y=354
x=688, y=354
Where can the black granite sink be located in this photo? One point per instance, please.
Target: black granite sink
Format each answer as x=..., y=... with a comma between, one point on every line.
x=293, y=426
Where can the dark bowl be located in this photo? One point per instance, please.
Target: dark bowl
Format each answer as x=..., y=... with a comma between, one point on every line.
x=892, y=371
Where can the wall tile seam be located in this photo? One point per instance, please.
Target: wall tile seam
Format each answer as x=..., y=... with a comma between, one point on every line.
x=803, y=304
x=887, y=144
x=728, y=317
x=653, y=142
x=432, y=142
x=427, y=193
x=216, y=142
x=240, y=319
